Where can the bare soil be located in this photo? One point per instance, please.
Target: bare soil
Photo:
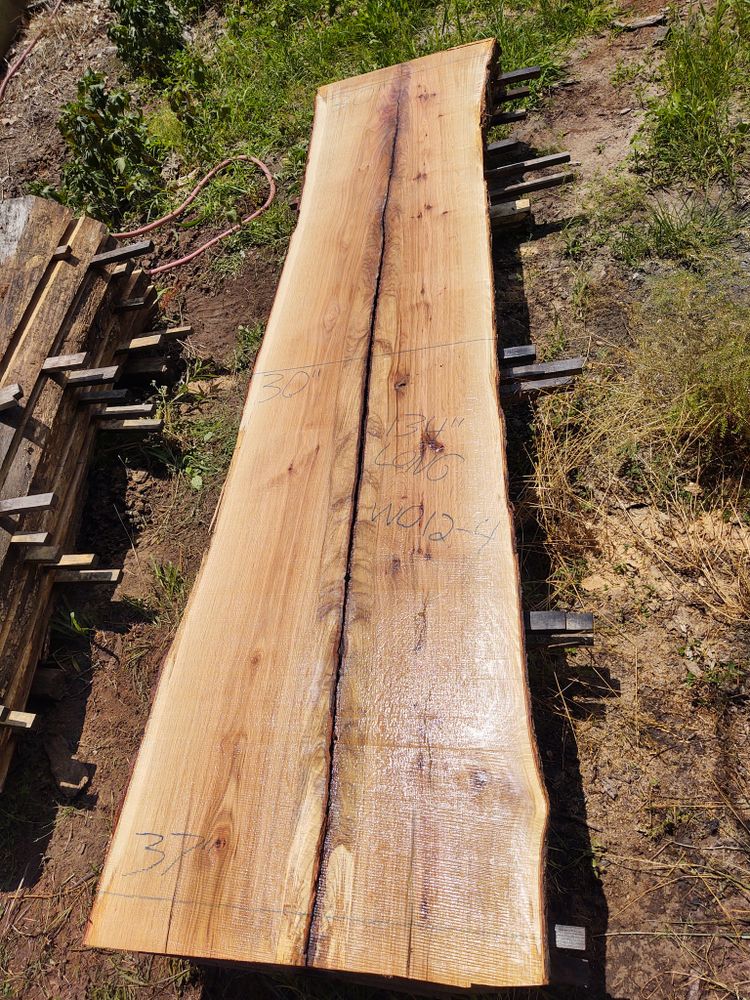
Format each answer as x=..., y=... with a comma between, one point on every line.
x=647, y=773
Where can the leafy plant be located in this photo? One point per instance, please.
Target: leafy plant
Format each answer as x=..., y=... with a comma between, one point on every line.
x=113, y=168
x=147, y=34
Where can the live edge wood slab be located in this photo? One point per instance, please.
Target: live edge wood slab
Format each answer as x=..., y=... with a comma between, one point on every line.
x=339, y=770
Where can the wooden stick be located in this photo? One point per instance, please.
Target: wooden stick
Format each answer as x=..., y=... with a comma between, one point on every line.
x=140, y=426
x=170, y=331
x=501, y=147
x=88, y=576
x=16, y=720
x=94, y=376
x=48, y=554
x=28, y=505
x=145, y=343
x=508, y=117
x=145, y=366
x=104, y=396
x=510, y=213
x=530, y=390
x=129, y=410
x=545, y=369
x=63, y=252
x=125, y=252
x=140, y=302
x=518, y=75
x=537, y=184
x=558, y=621
x=9, y=396
x=509, y=355
x=63, y=363
x=515, y=94
x=521, y=166
x=77, y=560
x=30, y=538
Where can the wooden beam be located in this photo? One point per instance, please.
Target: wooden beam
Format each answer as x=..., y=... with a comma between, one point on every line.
x=144, y=366
x=28, y=505
x=137, y=426
x=46, y=554
x=16, y=720
x=530, y=390
x=94, y=376
x=63, y=252
x=522, y=166
x=510, y=213
x=508, y=117
x=125, y=252
x=128, y=410
x=88, y=575
x=544, y=369
x=94, y=398
x=514, y=94
x=171, y=332
x=9, y=396
x=138, y=302
x=512, y=355
x=64, y=363
x=519, y=75
x=536, y=184
x=146, y=343
x=30, y=538
x=501, y=148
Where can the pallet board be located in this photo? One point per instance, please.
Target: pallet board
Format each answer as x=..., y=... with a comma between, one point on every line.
x=339, y=769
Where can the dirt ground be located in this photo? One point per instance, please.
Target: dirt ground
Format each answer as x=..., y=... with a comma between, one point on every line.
x=648, y=779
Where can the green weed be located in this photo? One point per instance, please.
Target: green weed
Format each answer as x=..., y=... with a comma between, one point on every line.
x=147, y=34
x=248, y=341
x=699, y=128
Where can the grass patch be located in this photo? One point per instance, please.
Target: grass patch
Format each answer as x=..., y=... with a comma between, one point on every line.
x=699, y=129
x=664, y=423
x=693, y=232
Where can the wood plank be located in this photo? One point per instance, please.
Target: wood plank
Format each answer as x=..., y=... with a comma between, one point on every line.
x=28, y=504
x=88, y=575
x=63, y=363
x=433, y=857
x=24, y=257
x=247, y=791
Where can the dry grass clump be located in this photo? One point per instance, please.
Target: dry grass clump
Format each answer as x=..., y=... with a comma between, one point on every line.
x=664, y=423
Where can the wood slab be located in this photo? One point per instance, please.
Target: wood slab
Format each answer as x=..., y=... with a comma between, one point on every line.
x=432, y=863
x=238, y=805
x=339, y=769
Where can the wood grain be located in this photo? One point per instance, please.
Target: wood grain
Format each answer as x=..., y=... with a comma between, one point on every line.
x=428, y=820
x=432, y=866
x=232, y=775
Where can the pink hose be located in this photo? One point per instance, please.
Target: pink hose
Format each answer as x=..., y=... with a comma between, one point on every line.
x=190, y=198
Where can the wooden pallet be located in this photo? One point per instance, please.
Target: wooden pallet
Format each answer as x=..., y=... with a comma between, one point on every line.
x=339, y=770
x=58, y=321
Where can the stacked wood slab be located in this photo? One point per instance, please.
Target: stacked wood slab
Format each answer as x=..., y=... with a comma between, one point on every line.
x=339, y=770
x=53, y=302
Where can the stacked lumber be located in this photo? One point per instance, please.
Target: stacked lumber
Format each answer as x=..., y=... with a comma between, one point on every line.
x=339, y=769
x=62, y=324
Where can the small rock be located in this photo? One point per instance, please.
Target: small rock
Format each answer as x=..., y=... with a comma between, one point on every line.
x=641, y=22
x=593, y=583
